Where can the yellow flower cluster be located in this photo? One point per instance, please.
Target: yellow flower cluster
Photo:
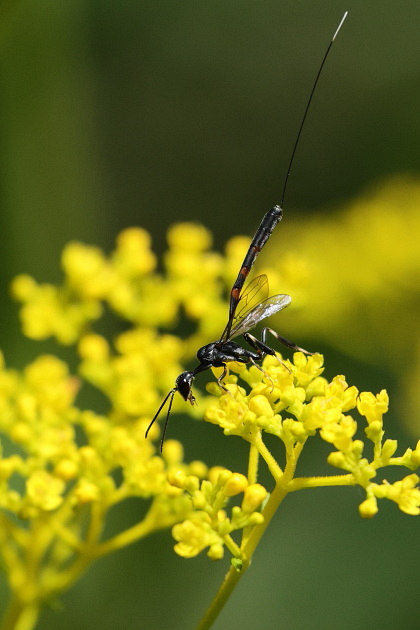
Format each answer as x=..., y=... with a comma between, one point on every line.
x=209, y=526
x=64, y=466
x=293, y=402
x=357, y=275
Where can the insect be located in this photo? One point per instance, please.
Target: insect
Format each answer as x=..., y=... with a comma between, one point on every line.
x=248, y=307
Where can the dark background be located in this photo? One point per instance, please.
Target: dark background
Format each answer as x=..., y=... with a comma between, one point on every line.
x=125, y=113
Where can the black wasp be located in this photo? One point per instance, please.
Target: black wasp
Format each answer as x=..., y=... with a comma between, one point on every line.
x=247, y=308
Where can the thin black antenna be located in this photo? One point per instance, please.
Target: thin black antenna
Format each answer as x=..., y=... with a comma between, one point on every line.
x=289, y=168
x=155, y=417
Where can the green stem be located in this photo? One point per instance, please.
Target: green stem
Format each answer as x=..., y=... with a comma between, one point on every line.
x=154, y=520
x=20, y=616
x=273, y=466
x=253, y=461
x=229, y=583
x=301, y=483
x=232, y=546
x=125, y=538
x=286, y=485
x=233, y=576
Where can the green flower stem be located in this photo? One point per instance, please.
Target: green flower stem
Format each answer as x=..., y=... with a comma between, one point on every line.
x=253, y=462
x=23, y=612
x=273, y=466
x=154, y=520
x=232, y=546
x=20, y=616
x=127, y=537
x=62, y=580
x=229, y=583
x=251, y=542
x=233, y=576
x=316, y=482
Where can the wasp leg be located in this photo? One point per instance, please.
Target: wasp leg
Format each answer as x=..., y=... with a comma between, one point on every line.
x=220, y=379
x=262, y=350
x=259, y=345
x=283, y=340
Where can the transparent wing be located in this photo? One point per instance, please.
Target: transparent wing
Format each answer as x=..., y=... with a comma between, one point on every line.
x=264, y=309
x=254, y=293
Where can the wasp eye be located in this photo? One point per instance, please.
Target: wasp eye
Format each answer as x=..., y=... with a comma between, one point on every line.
x=183, y=385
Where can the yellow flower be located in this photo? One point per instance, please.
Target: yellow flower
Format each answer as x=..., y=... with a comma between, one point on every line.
x=87, y=270
x=373, y=407
x=195, y=535
x=405, y=492
x=44, y=491
x=133, y=256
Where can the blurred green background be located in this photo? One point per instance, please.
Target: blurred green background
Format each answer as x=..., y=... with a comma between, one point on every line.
x=125, y=113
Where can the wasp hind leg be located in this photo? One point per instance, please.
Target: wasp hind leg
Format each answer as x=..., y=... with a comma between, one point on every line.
x=283, y=340
x=262, y=350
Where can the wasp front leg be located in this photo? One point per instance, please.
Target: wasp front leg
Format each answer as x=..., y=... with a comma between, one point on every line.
x=221, y=377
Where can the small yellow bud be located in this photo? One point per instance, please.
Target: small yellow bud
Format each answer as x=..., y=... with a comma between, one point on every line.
x=260, y=406
x=21, y=433
x=133, y=238
x=253, y=497
x=133, y=255
x=357, y=447
x=236, y=484
x=297, y=429
x=223, y=477
x=215, y=551
x=23, y=287
x=368, y=508
x=338, y=460
x=88, y=455
x=177, y=478
x=189, y=237
x=192, y=483
x=389, y=448
x=9, y=465
x=66, y=469
x=199, y=501
x=199, y=469
x=86, y=492
x=173, y=452
x=256, y=518
x=93, y=348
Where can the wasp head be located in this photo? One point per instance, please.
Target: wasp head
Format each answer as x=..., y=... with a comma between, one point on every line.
x=183, y=385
